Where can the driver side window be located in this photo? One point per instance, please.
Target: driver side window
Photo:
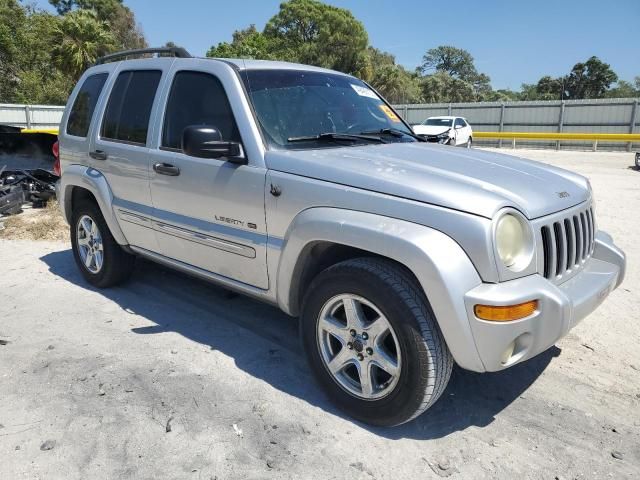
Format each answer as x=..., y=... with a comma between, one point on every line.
x=197, y=98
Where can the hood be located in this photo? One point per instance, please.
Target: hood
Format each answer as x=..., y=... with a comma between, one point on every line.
x=469, y=180
x=430, y=129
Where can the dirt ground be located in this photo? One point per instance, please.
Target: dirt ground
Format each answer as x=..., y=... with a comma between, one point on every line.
x=169, y=377
x=35, y=224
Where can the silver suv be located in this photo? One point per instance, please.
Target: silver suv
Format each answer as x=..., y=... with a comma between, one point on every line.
x=303, y=188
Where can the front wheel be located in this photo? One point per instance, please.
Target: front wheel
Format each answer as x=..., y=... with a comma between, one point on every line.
x=373, y=341
x=469, y=142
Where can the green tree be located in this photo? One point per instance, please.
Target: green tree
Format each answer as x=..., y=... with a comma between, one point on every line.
x=104, y=9
x=309, y=31
x=247, y=43
x=393, y=81
x=121, y=20
x=442, y=87
x=305, y=31
x=459, y=65
x=80, y=38
x=590, y=79
x=502, y=95
x=12, y=21
x=624, y=89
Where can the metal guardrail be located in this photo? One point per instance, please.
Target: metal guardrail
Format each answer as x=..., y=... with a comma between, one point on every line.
x=590, y=116
x=31, y=116
x=551, y=136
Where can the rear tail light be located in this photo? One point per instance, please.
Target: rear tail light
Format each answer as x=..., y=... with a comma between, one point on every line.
x=56, y=153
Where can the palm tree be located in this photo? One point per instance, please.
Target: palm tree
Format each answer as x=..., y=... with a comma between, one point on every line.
x=80, y=39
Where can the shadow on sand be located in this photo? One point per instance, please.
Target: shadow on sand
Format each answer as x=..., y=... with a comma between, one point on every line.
x=202, y=313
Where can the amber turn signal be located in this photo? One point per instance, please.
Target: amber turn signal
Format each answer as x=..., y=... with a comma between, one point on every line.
x=505, y=313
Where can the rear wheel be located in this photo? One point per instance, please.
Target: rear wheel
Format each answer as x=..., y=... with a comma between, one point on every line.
x=373, y=342
x=102, y=262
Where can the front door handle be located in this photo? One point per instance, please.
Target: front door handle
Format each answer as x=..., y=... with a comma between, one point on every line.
x=98, y=155
x=166, y=169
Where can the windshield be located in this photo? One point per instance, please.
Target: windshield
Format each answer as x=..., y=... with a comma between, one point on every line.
x=291, y=105
x=438, y=122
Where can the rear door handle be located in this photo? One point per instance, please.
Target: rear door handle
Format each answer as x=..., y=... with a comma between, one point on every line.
x=166, y=169
x=98, y=155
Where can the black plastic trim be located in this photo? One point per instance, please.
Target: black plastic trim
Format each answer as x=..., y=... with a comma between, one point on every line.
x=178, y=52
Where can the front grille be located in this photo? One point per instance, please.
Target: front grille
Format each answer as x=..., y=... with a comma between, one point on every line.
x=567, y=243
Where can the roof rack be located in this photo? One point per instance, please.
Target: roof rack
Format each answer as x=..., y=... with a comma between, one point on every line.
x=178, y=52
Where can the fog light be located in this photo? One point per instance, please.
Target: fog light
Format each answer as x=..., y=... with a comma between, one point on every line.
x=505, y=313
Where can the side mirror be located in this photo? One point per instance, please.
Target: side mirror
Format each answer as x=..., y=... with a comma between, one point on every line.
x=206, y=142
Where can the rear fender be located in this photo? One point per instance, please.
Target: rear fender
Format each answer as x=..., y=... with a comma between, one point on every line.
x=92, y=180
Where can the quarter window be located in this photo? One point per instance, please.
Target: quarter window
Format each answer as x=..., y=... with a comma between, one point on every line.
x=197, y=98
x=126, y=117
x=84, y=105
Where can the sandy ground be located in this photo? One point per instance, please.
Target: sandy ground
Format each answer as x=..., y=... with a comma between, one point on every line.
x=148, y=380
x=35, y=224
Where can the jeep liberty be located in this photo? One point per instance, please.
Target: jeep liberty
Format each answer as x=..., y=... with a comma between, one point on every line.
x=303, y=188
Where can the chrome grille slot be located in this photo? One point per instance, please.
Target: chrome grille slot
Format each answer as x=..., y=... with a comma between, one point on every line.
x=560, y=248
x=583, y=226
x=579, y=239
x=567, y=242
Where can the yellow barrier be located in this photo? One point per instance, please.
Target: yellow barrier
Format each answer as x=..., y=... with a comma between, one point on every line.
x=590, y=137
x=51, y=131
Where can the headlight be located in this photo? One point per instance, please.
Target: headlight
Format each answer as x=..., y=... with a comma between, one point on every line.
x=514, y=241
x=443, y=137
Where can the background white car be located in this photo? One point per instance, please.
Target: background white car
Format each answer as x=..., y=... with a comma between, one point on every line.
x=447, y=130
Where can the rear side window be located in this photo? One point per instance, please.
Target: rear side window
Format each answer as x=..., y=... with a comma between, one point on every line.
x=197, y=98
x=85, y=104
x=126, y=118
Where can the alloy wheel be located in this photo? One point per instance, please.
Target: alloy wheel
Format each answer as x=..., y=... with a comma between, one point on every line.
x=90, y=247
x=359, y=347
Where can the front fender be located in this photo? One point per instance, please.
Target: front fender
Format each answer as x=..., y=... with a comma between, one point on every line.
x=441, y=266
x=92, y=180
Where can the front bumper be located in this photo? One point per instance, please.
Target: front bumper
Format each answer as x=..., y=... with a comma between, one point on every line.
x=561, y=307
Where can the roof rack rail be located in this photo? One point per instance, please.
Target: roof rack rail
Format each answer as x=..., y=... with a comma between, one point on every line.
x=178, y=52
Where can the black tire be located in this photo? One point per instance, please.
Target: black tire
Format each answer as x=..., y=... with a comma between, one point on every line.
x=469, y=142
x=638, y=160
x=117, y=264
x=426, y=360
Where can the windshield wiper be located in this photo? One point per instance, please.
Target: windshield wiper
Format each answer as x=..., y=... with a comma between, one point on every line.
x=335, y=136
x=393, y=131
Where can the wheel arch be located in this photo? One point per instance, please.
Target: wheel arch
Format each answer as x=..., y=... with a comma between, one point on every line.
x=79, y=183
x=320, y=237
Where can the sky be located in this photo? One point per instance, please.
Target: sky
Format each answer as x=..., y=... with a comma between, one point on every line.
x=513, y=42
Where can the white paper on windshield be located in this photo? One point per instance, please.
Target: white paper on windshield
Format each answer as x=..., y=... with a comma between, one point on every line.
x=364, y=91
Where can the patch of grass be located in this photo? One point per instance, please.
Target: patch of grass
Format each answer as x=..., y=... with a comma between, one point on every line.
x=36, y=224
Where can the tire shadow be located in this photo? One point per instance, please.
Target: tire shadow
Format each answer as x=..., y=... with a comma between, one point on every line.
x=263, y=341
